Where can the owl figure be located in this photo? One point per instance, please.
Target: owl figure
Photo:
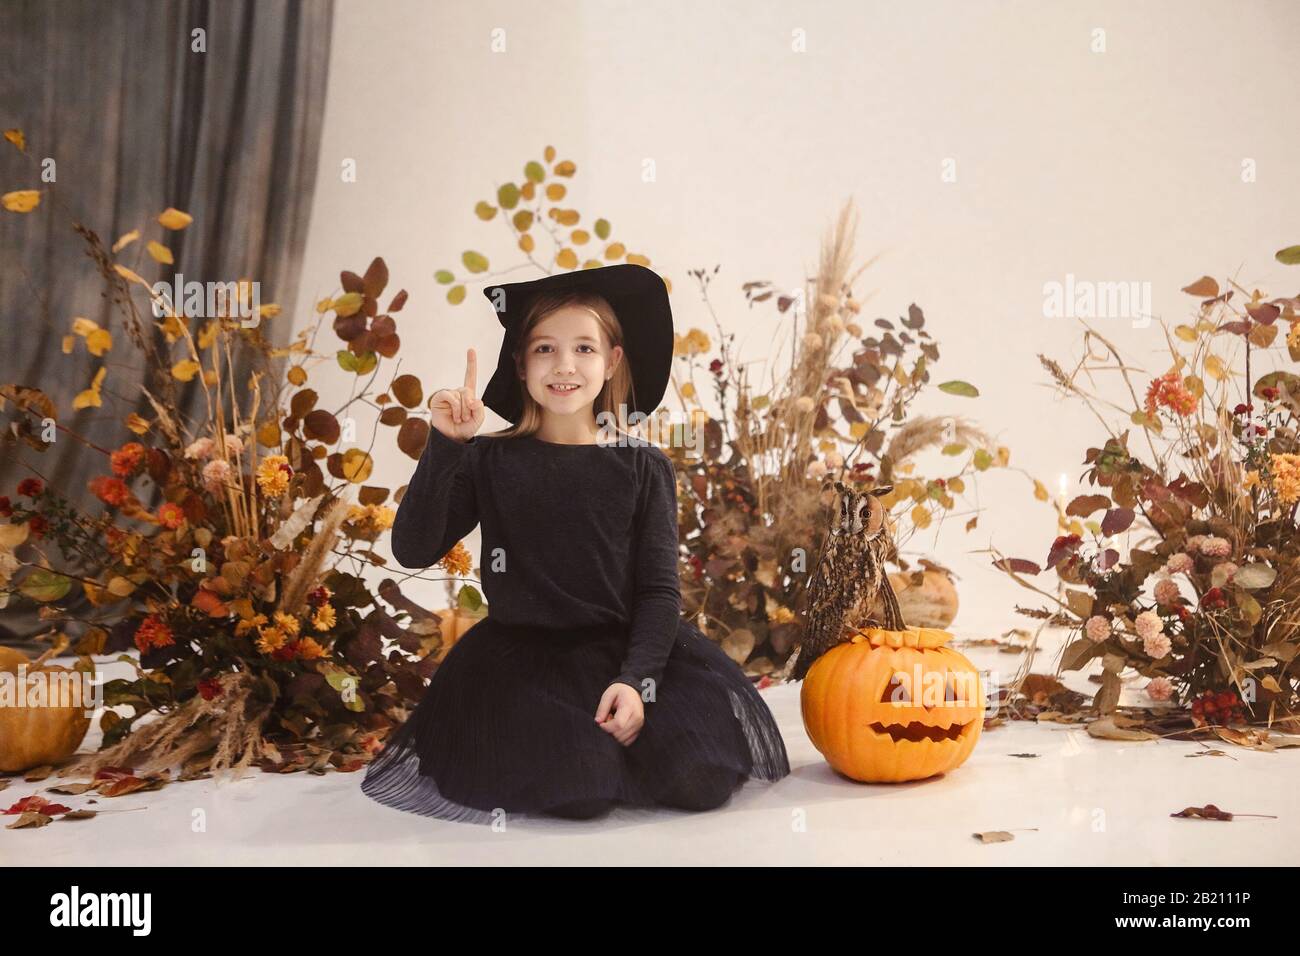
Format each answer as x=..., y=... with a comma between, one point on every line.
x=849, y=576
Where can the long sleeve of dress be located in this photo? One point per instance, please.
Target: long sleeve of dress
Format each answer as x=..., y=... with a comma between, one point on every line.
x=439, y=507
x=657, y=600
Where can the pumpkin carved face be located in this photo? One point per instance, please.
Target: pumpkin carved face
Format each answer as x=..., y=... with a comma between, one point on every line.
x=893, y=705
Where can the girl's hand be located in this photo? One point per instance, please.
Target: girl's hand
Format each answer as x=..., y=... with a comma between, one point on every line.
x=628, y=713
x=456, y=412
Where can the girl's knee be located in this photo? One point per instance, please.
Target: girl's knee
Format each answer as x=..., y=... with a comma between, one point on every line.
x=702, y=790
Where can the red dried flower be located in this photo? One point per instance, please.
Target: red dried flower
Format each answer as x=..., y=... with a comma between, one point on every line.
x=171, y=515
x=1269, y=393
x=210, y=688
x=127, y=459
x=38, y=525
x=1213, y=599
x=716, y=366
x=30, y=487
x=110, y=490
x=6, y=507
x=153, y=632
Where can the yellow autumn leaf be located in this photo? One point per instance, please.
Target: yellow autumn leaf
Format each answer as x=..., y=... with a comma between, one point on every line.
x=83, y=326
x=567, y=258
x=210, y=377
x=208, y=334
x=268, y=434
x=348, y=304
x=1214, y=367
x=16, y=137
x=23, y=200
x=1040, y=490
x=324, y=305
x=296, y=375
x=269, y=311
x=171, y=218
x=1185, y=332
x=126, y=239
x=921, y=516
x=130, y=276
x=956, y=484
x=615, y=250
x=185, y=369
x=90, y=397
x=160, y=253
x=356, y=465
x=171, y=328
x=858, y=429
x=688, y=390
x=137, y=424
x=99, y=341
x=68, y=341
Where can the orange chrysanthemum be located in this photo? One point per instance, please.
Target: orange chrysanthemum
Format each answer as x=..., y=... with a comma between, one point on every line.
x=1168, y=391
x=153, y=632
x=110, y=490
x=171, y=515
x=127, y=459
x=457, y=561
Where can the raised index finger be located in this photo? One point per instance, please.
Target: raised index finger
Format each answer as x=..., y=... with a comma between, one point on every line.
x=471, y=369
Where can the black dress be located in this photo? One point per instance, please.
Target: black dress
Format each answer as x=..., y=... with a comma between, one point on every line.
x=580, y=569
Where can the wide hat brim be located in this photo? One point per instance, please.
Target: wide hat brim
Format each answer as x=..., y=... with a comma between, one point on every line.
x=639, y=299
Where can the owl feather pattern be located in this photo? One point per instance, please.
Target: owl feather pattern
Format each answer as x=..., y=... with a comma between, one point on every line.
x=849, y=576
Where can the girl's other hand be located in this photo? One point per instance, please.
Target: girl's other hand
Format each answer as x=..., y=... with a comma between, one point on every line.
x=621, y=713
x=457, y=412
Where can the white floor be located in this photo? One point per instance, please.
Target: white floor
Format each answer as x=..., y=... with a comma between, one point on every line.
x=1081, y=801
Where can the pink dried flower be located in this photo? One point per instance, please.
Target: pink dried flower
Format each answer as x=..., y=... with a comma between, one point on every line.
x=1156, y=646
x=1193, y=543
x=1160, y=688
x=1148, y=625
x=1166, y=592
x=234, y=445
x=199, y=448
x=1226, y=569
x=1097, y=628
x=1216, y=547
x=1179, y=564
x=216, y=474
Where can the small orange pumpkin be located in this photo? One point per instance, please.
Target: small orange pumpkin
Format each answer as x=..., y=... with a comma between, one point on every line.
x=889, y=706
x=455, y=621
x=35, y=736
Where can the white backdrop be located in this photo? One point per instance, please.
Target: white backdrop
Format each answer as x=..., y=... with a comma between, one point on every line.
x=1101, y=140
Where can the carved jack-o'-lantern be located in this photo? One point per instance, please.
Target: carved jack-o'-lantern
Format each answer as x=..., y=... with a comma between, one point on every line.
x=893, y=705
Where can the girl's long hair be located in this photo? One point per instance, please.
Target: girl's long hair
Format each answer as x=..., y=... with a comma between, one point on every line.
x=618, y=390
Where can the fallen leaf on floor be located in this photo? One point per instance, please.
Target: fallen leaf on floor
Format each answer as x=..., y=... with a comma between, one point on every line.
x=72, y=789
x=1210, y=753
x=1039, y=688
x=4, y=784
x=80, y=815
x=29, y=819
x=1023, y=755
x=1211, y=812
x=1105, y=728
x=1256, y=738
x=1057, y=717
x=38, y=773
x=36, y=802
x=993, y=836
x=991, y=722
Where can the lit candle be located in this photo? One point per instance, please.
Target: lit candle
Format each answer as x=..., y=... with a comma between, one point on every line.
x=1060, y=496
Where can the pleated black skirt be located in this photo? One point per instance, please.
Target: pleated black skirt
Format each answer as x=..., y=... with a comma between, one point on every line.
x=507, y=726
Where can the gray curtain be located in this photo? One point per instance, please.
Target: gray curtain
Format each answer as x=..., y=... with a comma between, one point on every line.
x=137, y=120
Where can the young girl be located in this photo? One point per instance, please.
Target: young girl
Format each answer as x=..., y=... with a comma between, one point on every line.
x=583, y=687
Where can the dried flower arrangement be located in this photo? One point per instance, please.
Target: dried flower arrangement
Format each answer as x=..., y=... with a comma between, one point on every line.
x=260, y=639
x=1205, y=603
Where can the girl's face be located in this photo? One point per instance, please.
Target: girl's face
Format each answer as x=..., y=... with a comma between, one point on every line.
x=567, y=361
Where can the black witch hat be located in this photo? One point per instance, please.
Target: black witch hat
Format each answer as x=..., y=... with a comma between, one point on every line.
x=639, y=299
